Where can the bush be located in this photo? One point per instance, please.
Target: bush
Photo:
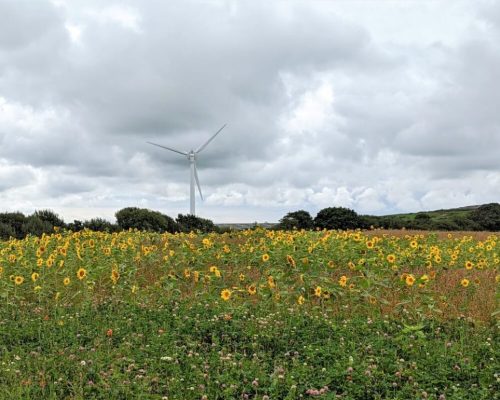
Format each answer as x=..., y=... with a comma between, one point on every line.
x=50, y=217
x=145, y=220
x=6, y=231
x=188, y=223
x=100, y=225
x=75, y=226
x=35, y=226
x=298, y=219
x=337, y=218
x=15, y=220
x=487, y=217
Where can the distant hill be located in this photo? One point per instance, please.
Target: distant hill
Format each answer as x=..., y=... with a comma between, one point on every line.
x=474, y=217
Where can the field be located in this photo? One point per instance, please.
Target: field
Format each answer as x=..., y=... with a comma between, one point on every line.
x=255, y=314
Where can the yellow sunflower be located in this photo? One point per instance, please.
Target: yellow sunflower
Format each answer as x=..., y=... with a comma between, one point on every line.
x=225, y=294
x=81, y=273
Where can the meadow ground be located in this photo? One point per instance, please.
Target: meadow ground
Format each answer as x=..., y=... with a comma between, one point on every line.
x=250, y=315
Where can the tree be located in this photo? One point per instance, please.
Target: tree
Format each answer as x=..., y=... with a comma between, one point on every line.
x=189, y=222
x=35, y=226
x=146, y=220
x=337, y=218
x=15, y=220
x=100, y=225
x=298, y=219
x=487, y=217
x=6, y=231
x=50, y=217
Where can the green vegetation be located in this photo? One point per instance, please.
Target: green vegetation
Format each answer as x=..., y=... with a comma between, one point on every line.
x=187, y=350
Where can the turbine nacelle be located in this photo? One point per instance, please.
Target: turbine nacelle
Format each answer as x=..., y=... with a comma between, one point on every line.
x=192, y=156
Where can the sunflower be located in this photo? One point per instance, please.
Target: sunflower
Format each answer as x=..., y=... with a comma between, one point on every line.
x=81, y=273
x=271, y=282
x=18, y=280
x=317, y=291
x=225, y=294
x=115, y=275
x=464, y=282
x=391, y=258
x=301, y=300
x=290, y=260
x=413, y=244
x=370, y=244
x=66, y=281
x=265, y=257
x=343, y=281
x=468, y=265
x=251, y=289
x=410, y=279
x=35, y=276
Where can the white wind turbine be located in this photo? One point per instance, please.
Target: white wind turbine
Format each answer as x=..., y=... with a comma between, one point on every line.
x=192, y=156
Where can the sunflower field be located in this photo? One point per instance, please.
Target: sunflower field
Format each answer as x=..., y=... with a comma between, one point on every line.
x=256, y=314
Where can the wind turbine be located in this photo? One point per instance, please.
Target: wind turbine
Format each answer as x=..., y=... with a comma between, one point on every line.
x=192, y=156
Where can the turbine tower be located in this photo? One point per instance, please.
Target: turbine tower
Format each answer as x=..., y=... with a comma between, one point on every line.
x=192, y=156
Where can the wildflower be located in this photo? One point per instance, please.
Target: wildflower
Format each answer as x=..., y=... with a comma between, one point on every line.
x=18, y=280
x=317, y=291
x=301, y=300
x=410, y=279
x=464, y=282
x=225, y=294
x=343, y=281
x=265, y=257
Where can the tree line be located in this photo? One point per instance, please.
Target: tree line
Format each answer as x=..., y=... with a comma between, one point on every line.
x=18, y=225
x=483, y=218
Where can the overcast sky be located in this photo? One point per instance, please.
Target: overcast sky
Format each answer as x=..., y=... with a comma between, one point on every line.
x=379, y=106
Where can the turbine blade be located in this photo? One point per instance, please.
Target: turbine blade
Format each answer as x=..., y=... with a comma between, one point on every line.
x=168, y=148
x=197, y=180
x=209, y=140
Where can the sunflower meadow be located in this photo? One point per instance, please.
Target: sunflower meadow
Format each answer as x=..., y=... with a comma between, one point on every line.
x=250, y=314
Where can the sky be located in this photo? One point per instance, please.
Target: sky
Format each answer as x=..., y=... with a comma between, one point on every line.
x=379, y=106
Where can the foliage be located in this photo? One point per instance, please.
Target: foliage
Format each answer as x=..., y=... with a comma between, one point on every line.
x=100, y=225
x=6, y=231
x=337, y=218
x=487, y=217
x=189, y=222
x=51, y=217
x=296, y=220
x=144, y=219
x=33, y=225
x=15, y=220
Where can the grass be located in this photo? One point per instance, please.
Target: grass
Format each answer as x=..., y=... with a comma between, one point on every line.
x=349, y=315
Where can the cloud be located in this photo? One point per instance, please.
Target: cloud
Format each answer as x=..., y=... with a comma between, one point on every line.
x=325, y=106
